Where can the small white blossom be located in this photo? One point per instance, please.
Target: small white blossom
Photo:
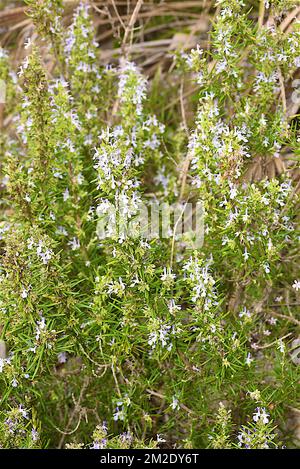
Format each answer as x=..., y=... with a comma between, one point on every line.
x=249, y=359
x=261, y=415
x=175, y=403
x=25, y=292
x=74, y=243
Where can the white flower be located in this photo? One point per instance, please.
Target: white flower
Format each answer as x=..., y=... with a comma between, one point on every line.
x=296, y=285
x=233, y=191
x=27, y=43
x=3, y=362
x=25, y=291
x=255, y=395
x=3, y=53
x=45, y=255
x=245, y=313
x=167, y=276
x=118, y=414
x=74, y=244
x=23, y=412
x=175, y=403
x=245, y=217
x=62, y=357
x=281, y=346
x=249, y=360
x=272, y=321
x=66, y=195
x=173, y=307
x=132, y=85
x=161, y=335
x=246, y=255
x=116, y=287
x=96, y=445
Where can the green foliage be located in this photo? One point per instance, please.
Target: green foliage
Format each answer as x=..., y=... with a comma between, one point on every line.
x=124, y=342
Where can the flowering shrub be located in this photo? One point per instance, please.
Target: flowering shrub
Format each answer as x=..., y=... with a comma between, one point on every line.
x=127, y=342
